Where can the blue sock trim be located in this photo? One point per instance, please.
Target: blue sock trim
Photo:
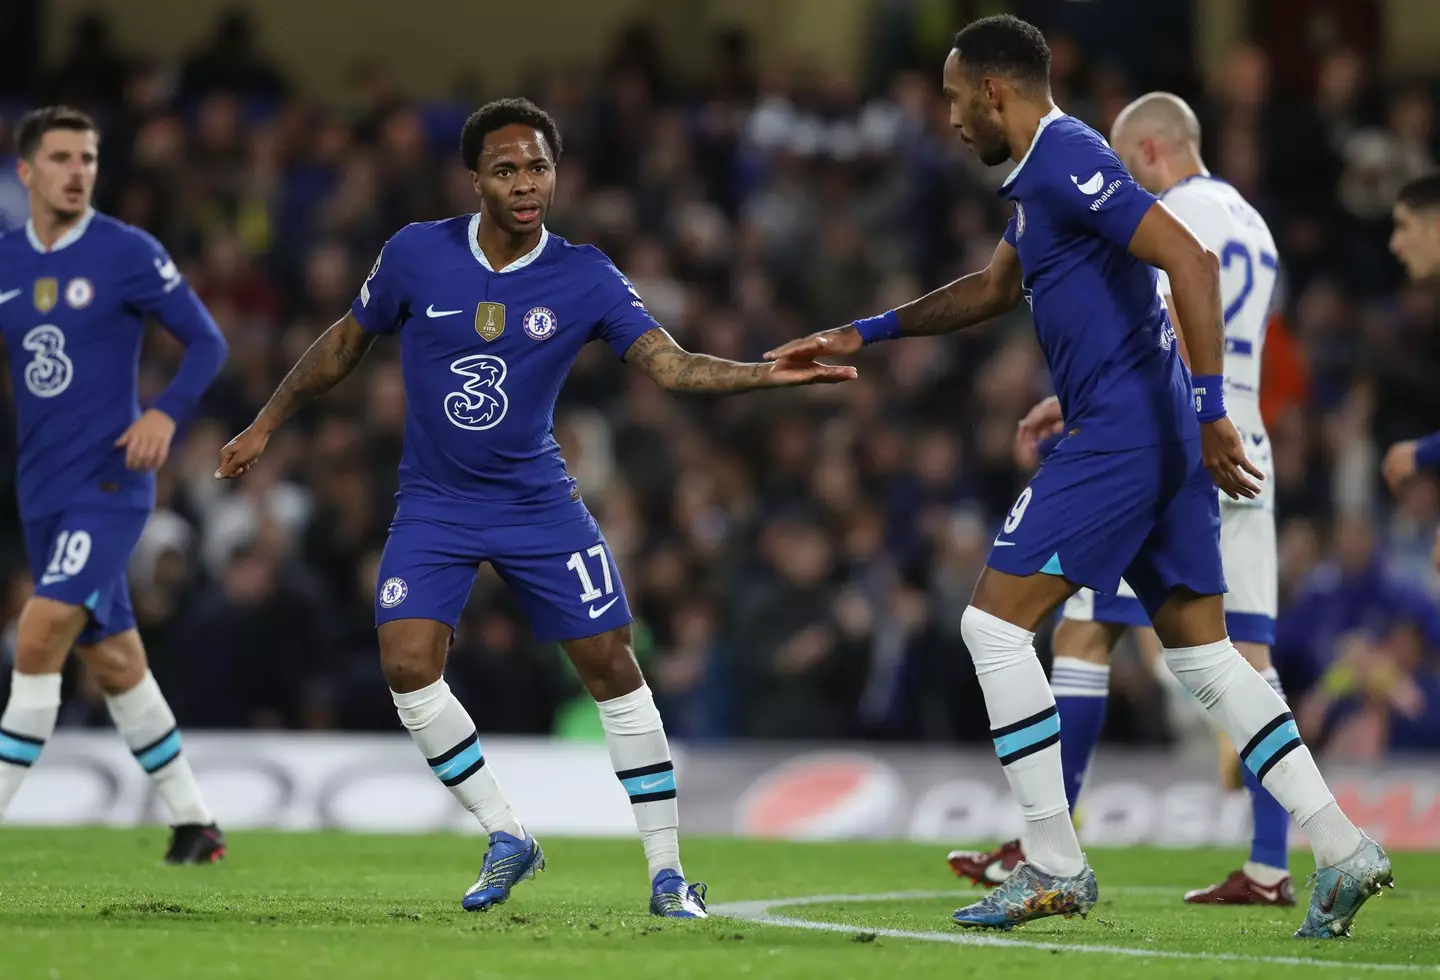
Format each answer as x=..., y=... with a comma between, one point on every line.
x=1269, y=843
x=1027, y=736
x=649, y=783
x=460, y=762
x=1271, y=744
x=1081, y=721
x=19, y=750
x=159, y=753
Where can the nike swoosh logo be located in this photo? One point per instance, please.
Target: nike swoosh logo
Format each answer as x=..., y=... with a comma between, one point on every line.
x=1327, y=904
x=995, y=871
x=597, y=613
x=52, y=579
x=7, y=297
x=1002, y=544
x=1269, y=894
x=432, y=312
x=653, y=783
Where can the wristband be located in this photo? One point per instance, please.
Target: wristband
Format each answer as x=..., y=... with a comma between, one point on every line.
x=1210, y=397
x=1427, y=452
x=886, y=326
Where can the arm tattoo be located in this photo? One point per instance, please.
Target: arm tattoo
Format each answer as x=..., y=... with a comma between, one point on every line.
x=677, y=369
x=327, y=362
x=963, y=303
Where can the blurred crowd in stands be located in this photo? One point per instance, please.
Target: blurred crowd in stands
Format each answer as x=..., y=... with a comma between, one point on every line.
x=798, y=562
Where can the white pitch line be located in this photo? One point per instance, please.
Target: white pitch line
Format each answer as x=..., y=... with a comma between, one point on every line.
x=759, y=912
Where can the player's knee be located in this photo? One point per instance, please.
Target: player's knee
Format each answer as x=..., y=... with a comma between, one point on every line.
x=117, y=662
x=1206, y=671
x=1090, y=642
x=45, y=634
x=412, y=657
x=606, y=664
x=994, y=644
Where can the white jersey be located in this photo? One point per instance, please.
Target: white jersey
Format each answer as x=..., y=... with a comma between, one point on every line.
x=1226, y=224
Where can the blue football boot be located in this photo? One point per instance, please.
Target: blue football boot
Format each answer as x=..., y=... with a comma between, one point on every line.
x=672, y=898
x=1029, y=893
x=508, y=861
x=1340, y=890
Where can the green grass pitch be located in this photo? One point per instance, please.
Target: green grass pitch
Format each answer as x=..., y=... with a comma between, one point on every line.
x=95, y=905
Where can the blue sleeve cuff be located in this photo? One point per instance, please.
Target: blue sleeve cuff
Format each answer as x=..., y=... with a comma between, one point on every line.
x=873, y=329
x=1427, y=452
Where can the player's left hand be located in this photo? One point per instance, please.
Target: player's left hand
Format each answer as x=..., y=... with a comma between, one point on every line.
x=1223, y=452
x=1399, y=464
x=789, y=370
x=147, y=441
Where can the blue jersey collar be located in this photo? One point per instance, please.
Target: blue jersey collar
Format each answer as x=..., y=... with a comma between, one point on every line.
x=66, y=240
x=1045, y=120
x=515, y=266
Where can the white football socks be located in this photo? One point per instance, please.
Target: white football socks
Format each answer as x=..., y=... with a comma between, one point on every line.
x=640, y=754
x=28, y=722
x=147, y=725
x=1026, y=730
x=445, y=735
x=1247, y=708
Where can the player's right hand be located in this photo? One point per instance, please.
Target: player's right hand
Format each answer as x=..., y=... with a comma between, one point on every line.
x=1223, y=452
x=240, y=453
x=1044, y=420
x=840, y=342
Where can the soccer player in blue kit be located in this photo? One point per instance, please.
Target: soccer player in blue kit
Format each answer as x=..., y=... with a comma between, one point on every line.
x=76, y=288
x=492, y=310
x=1128, y=490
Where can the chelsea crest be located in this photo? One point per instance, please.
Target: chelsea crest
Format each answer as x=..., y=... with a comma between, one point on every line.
x=539, y=323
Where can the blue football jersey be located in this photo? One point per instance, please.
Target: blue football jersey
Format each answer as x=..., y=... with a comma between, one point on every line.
x=73, y=317
x=1098, y=315
x=484, y=354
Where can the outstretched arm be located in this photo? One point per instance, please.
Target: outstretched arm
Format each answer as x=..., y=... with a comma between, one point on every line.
x=676, y=369
x=963, y=303
x=328, y=361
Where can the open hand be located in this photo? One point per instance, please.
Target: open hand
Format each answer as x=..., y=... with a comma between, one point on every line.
x=1223, y=452
x=840, y=342
x=147, y=441
x=240, y=453
x=1040, y=422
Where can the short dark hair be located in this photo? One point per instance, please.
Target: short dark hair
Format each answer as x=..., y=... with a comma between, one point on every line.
x=1005, y=45
x=1421, y=194
x=37, y=122
x=499, y=114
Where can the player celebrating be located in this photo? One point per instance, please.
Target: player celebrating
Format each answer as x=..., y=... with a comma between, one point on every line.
x=1158, y=138
x=492, y=310
x=75, y=289
x=1416, y=243
x=1127, y=491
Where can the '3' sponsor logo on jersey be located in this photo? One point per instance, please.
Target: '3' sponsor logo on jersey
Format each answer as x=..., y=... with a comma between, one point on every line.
x=481, y=403
x=50, y=370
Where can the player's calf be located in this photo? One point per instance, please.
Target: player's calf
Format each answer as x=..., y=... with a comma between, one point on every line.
x=640, y=753
x=45, y=634
x=1026, y=730
x=146, y=723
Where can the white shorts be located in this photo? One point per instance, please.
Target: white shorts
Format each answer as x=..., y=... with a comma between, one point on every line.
x=1248, y=552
